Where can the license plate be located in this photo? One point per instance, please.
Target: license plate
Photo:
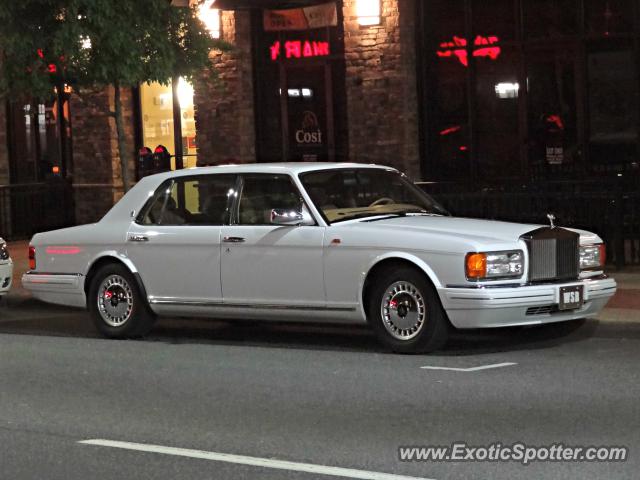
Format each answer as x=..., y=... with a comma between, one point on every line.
x=571, y=297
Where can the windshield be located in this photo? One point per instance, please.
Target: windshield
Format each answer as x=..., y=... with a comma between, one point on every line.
x=360, y=193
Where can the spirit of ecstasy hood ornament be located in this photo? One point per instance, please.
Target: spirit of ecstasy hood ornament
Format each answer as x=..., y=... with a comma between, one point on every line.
x=551, y=218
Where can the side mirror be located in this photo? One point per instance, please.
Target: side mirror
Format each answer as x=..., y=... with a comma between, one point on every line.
x=291, y=218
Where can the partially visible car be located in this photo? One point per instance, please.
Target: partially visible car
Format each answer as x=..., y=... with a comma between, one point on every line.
x=6, y=269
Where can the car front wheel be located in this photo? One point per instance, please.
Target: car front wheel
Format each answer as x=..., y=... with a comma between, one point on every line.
x=405, y=312
x=116, y=305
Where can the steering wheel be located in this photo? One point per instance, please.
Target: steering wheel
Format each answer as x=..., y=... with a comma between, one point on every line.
x=383, y=201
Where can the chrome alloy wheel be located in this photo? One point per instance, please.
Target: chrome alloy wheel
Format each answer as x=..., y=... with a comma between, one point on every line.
x=403, y=310
x=115, y=300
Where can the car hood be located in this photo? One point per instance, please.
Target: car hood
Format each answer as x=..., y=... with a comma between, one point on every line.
x=462, y=227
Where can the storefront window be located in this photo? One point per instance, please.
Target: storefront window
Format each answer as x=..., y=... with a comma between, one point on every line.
x=449, y=113
x=553, y=93
x=551, y=79
x=158, y=118
x=497, y=93
x=550, y=18
x=189, y=149
x=613, y=106
x=40, y=139
x=607, y=17
x=496, y=18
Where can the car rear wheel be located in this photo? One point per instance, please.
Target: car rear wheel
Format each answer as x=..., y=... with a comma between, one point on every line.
x=117, y=308
x=405, y=312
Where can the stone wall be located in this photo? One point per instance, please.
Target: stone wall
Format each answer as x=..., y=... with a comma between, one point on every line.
x=4, y=152
x=224, y=98
x=96, y=174
x=381, y=87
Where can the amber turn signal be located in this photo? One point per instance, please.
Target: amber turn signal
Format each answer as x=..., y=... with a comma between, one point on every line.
x=476, y=265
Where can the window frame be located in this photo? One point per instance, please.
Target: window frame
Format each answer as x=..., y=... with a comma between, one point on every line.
x=404, y=177
x=235, y=206
x=169, y=183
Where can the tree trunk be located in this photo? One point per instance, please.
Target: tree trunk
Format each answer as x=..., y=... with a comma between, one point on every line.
x=122, y=146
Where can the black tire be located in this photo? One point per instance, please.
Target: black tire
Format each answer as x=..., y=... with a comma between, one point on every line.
x=433, y=331
x=136, y=319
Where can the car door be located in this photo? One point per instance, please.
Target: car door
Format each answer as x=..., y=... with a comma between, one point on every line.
x=265, y=264
x=175, y=240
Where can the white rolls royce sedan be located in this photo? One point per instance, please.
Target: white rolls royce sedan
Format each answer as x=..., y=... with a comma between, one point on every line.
x=314, y=242
x=6, y=269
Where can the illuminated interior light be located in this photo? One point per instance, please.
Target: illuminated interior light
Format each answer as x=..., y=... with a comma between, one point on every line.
x=368, y=12
x=507, y=90
x=185, y=93
x=210, y=17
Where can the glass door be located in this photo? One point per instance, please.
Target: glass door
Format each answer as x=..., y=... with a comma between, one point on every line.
x=306, y=108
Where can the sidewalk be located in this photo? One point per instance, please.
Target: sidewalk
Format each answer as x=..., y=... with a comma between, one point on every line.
x=624, y=306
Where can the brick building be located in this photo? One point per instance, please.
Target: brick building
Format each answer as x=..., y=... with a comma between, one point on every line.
x=460, y=92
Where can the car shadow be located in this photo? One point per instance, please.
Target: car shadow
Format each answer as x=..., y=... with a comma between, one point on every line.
x=31, y=317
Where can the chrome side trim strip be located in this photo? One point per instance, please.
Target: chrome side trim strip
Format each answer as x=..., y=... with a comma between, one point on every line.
x=30, y=272
x=200, y=303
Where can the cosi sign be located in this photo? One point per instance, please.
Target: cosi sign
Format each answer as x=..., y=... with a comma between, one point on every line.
x=309, y=133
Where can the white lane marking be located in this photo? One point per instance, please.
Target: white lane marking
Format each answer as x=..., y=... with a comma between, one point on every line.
x=253, y=461
x=472, y=369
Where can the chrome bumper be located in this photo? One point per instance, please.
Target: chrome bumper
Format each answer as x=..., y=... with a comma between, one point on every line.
x=58, y=288
x=508, y=306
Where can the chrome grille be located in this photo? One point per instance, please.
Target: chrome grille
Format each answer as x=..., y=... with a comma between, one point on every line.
x=553, y=254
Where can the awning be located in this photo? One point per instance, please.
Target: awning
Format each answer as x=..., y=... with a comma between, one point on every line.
x=264, y=4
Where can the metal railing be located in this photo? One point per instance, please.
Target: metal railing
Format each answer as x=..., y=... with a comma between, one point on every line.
x=26, y=209
x=609, y=208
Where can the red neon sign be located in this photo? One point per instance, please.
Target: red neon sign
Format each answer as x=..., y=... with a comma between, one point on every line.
x=298, y=49
x=483, y=47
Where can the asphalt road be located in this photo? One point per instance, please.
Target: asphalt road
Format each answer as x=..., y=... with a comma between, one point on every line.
x=319, y=395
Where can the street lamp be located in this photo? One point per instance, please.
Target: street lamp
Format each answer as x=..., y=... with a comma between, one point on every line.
x=368, y=12
x=210, y=17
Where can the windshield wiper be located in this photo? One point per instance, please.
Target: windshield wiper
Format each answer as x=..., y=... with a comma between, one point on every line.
x=403, y=214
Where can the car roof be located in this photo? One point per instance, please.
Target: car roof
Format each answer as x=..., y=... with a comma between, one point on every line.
x=288, y=167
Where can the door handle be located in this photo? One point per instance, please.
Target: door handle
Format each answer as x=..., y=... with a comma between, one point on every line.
x=233, y=239
x=138, y=238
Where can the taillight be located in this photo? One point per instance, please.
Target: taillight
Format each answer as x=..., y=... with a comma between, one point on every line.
x=32, y=257
x=603, y=254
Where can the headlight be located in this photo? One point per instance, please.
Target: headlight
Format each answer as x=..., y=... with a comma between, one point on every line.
x=592, y=256
x=494, y=265
x=4, y=252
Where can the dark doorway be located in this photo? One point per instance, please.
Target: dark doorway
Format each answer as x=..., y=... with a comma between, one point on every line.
x=300, y=99
x=307, y=113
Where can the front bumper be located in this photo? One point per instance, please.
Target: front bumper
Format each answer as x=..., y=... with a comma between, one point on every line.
x=6, y=275
x=488, y=307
